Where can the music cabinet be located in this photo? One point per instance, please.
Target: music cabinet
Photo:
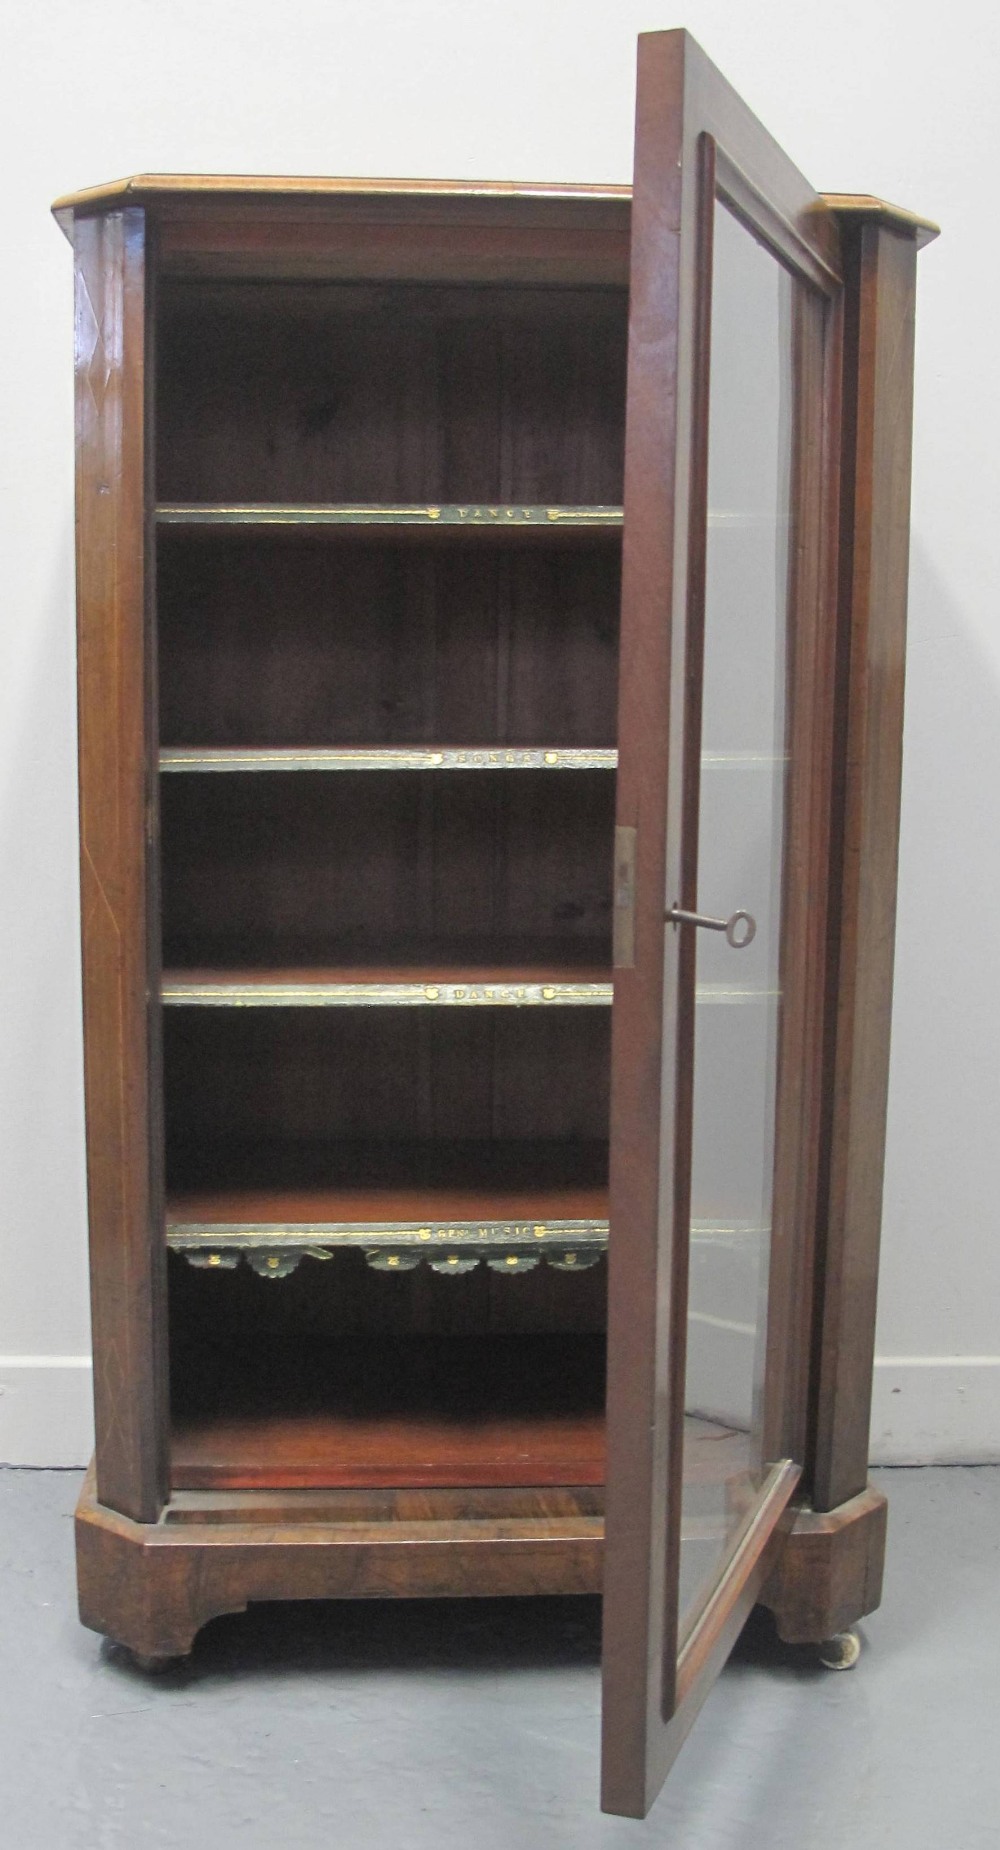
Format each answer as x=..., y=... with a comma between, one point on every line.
x=491, y=623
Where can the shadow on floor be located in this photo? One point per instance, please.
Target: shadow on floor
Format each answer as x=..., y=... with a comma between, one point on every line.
x=474, y=1635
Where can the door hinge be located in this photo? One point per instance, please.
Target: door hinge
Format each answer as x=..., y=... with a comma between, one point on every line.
x=623, y=929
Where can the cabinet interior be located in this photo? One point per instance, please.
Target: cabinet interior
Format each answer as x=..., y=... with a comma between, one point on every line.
x=322, y=392
x=392, y=1046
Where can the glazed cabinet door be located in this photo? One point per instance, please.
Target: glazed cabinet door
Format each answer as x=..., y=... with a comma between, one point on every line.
x=720, y=892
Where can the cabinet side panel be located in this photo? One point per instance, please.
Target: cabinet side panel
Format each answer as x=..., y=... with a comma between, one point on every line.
x=117, y=822
x=878, y=381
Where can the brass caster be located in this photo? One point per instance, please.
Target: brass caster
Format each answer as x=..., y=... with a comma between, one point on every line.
x=840, y=1652
x=154, y=1666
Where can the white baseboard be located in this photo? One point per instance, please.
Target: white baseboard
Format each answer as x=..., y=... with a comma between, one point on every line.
x=46, y=1416
x=926, y=1409
x=936, y=1410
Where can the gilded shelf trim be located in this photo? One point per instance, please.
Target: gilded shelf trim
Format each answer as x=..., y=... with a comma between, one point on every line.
x=386, y=995
x=428, y=515
x=743, y=761
x=265, y=1262
x=304, y=1236
x=715, y=995
x=388, y=758
x=249, y=1235
x=741, y=520
x=430, y=758
x=179, y=994
x=450, y=1249
x=714, y=1229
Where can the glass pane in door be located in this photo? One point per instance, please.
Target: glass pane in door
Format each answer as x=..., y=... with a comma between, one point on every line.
x=740, y=856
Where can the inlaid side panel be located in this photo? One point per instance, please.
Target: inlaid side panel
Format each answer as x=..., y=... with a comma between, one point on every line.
x=117, y=824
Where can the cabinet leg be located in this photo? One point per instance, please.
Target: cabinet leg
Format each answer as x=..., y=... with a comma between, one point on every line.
x=829, y=1572
x=149, y=1598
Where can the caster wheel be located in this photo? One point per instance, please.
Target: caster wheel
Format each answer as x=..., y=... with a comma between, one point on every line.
x=154, y=1666
x=841, y=1652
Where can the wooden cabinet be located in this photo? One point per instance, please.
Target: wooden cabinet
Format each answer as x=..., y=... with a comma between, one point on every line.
x=491, y=607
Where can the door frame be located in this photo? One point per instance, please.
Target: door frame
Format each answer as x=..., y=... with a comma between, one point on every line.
x=695, y=140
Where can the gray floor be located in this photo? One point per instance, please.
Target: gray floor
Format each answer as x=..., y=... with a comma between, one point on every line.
x=476, y=1725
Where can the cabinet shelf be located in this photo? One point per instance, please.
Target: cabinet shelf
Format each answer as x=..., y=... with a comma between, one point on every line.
x=450, y=1207
x=393, y=986
x=274, y=1249
x=513, y=522
x=408, y=985
x=428, y=758
x=387, y=758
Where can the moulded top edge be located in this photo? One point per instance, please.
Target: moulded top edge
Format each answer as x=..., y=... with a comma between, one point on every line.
x=150, y=188
x=139, y=189
x=865, y=205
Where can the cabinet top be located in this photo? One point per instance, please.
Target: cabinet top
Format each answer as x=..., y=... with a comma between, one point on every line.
x=865, y=205
x=162, y=188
